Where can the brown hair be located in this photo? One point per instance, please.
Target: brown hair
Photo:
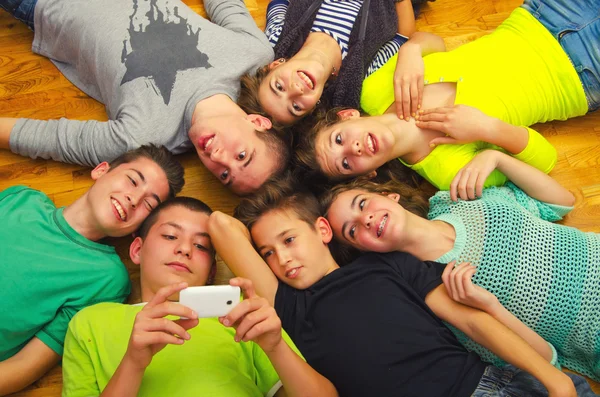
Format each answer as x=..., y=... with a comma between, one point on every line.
x=283, y=193
x=279, y=147
x=162, y=157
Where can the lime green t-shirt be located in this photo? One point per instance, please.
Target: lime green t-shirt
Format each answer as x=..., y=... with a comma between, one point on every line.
x=211, y=363
x=49, y=272
x=519, y=74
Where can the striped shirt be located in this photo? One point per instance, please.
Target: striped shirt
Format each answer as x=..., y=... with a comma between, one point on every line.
x=336, y=18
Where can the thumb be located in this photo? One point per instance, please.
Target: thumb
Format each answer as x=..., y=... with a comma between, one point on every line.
x=442, y=141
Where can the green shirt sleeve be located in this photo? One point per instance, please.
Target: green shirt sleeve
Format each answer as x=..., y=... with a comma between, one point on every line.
x=79, y=377
x=53, y=334
x=538, y=153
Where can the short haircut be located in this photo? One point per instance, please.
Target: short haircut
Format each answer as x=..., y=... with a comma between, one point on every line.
x=248, y=98
x=162, y=157
x=189, y=203
x=283, y=193
x=278, y=147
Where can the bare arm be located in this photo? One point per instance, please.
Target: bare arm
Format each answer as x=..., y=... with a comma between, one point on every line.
x=488, y=332
x=232, y=242
x=27, y=366
x=406, y=18
x=460, y=288
x=6, y=126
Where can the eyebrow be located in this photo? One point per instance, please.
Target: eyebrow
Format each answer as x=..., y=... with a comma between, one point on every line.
x=250, y=159
x=352, y=204
x=144, y=180
x=278, y=236
x=178, y=227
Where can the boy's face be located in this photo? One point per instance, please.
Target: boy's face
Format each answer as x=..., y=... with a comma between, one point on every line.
x=295, y=252
x=356, y=146
x=121, y=199
x=176, y=249
x=367, y=221
x=231, y=150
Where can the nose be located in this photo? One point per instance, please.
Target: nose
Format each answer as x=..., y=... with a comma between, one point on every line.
x=184, y=248
x=297, y=88
x=368, y=220
x=217, y=155
x=356, y=148
x=283, y=257
x=133, y=200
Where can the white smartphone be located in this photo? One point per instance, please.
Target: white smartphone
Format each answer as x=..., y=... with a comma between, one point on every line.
x=210, y=300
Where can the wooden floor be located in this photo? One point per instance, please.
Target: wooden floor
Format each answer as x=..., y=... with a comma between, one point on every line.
x=30, y=86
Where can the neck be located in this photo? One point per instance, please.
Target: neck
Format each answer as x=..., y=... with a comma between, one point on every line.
x=216, y=105
x=322, y=48
x=411, y=142
x=79, y=217
x=425, y=239
x=146, y=292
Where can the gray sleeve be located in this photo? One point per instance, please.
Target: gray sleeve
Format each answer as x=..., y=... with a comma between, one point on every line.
x=232, y=15
x=72, y=141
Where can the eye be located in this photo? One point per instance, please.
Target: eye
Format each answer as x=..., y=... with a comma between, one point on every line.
x=278, y=86
x=267, y=254
x=149, y=206
x=169, y=237
x=201, y=247
x=241, y=155
x=345, y=164
x=338, y=139
x=289, y=240
x=224, y=175
x=133, y=182
x=352, y=231
x=361, y=204
x=296, y=107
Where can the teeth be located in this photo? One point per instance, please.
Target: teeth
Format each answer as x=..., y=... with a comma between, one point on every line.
x=370, y=143
x=292, y=272
x=381, y=225
x=306, y=79
x=207, y=144
x=119, y=209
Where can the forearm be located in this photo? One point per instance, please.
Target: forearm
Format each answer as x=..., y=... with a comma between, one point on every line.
x=508, y=319
x=426, y=43
x=298, y=378
x=511, y=138
x=6, y=126
x=14, y=377
x=490, y=333
x=534, y=182
x=125, y=381
x=406, y=18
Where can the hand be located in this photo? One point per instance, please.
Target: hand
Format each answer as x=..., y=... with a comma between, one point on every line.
x=461, y=124
x=408, y=81
x=254, y=319
x=468, y=182
x=152, y=331
x=461, y=289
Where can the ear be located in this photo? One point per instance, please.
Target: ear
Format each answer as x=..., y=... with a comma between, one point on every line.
x=276, y=63
x=261, y=123
x=393, y=196
x=100, y=170
x=135, y=250
x=348, y=114
x=371, y=174
x=324, y=229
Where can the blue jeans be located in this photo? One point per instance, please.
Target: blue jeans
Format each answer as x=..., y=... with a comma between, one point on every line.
x=512, y=382
x=576, y=26
x=20, y=9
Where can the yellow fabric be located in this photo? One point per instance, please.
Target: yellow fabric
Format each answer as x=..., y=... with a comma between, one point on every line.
x=519, y=74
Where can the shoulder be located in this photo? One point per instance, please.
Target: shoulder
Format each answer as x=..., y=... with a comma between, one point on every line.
x=24, y=193
x=102, y=313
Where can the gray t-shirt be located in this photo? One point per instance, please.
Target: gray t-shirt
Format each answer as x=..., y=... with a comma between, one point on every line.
x=149, y=61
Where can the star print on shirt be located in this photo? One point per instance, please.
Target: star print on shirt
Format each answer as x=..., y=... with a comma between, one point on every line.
x=161, y=49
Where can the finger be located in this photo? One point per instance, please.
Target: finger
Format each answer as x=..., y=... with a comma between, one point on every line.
x=414, y=97
x=167, y=326
x=406, y=100
x=446, y=275
x=448, y=140
x=398, y=99
x=246, y=306
x=432, y=125
x=188, y=323
x=458, y=279
x=443, y=109
x=433, y=116
x=462, y=184
x=249, y=321
x=163, y=294
x=420, y=89
x=270, y=324
x=246, y=285
x=467, y=281
x=157, y=338
x=454, y=186
x=171, y=309
x=473, y=178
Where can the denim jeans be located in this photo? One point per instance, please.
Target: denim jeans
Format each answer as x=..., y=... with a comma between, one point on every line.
x=576, y=26
x=20, y=9
x=512, y=382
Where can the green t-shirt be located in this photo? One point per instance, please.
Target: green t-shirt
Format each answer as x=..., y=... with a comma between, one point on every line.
x=211, y=363
x=519, y=74
x=49, y=271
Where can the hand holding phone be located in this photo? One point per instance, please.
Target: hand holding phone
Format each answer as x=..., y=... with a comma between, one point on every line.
x=211, y=300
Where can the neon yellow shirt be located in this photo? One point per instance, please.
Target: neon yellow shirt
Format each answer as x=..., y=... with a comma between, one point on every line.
x=211, y=363
x=519, y=74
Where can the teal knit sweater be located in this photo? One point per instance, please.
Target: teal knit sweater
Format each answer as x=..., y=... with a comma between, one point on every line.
x=548, y=275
